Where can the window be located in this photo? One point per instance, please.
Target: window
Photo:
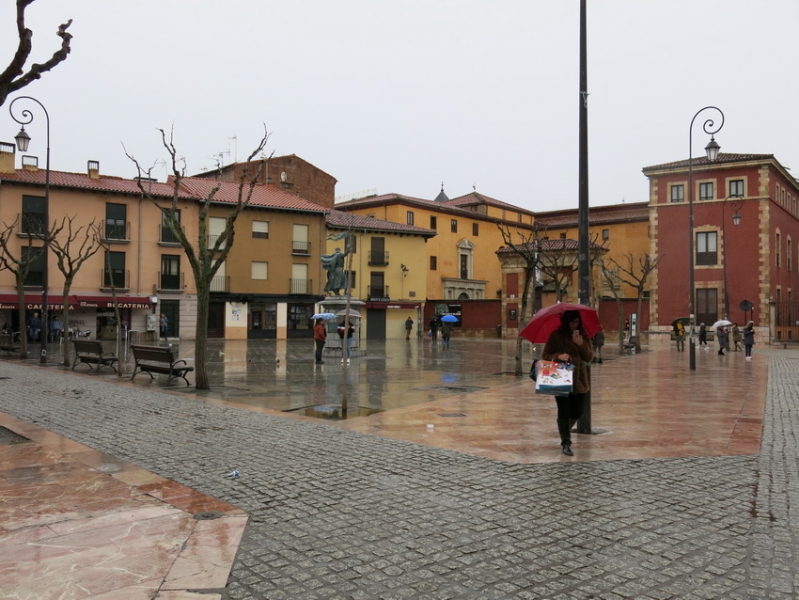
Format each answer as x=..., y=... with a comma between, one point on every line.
x=216, y=226
x=453, y=226
x=706, y=248
x=36, y=270
x=116, y=221
x=706, y=191
x=737, y=187
x=114, y=274
x=377, y=287
x=170, y=272
x=260, y=230
x=433, y=263
x=352, y=243
x=678, y=193
x=475, y=229
x=563, y=235
x=258, y=270
x=789, y=255
x=409, y=217
x=167, y=237
x=33, y=210
x=606, y=234
x=299, y=279
x=378, y=254
x=219, y=283
x=433, y=222
x=778, y=250
x=300, y=243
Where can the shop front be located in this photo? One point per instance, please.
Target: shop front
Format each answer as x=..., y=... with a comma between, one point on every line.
x=386, y=319
x=96, y=314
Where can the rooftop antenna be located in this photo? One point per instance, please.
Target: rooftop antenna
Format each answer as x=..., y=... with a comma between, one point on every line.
x=235, y=141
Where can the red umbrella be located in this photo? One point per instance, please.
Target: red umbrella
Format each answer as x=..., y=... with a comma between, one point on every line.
x=547, y=320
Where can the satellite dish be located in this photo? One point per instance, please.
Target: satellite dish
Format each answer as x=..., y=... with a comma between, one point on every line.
x=283, y=176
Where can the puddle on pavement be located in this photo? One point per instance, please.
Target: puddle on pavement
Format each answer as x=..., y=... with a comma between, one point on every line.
x=8, y=437
x=333, y=412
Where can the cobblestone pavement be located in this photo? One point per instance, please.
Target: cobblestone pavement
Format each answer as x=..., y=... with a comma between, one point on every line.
x=337, y=514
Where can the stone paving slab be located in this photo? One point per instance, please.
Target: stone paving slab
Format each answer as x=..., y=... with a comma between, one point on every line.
x=343, y=514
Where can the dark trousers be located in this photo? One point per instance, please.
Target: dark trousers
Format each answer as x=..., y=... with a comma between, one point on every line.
x=319, y=345
x=570, y=409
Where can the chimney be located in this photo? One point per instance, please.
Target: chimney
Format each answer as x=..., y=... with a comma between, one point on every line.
x=93, y=166
x=30, y=163
x=7, y=158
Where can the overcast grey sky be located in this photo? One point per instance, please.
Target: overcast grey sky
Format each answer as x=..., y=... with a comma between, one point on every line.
x=399, y=96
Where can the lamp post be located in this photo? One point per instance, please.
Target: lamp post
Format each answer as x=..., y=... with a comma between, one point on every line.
x=23, y=139
x=736, y=220
x=712, y=150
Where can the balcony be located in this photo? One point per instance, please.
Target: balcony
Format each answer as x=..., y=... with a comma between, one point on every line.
x=168, y=282
x=378, y=258
x=220, y=283
x=212, y=240
x=301, y=248
x=166, y=237
x=301, y=286
x=116, y=231
x=378, y=292
x=116, y=278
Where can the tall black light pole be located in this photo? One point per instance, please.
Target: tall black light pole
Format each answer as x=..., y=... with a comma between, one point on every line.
x=712, y=150
x=736, y=220
x=583, y=264
x=23, y=139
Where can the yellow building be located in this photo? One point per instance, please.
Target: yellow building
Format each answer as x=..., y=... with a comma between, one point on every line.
x=147, y=270
x=386, y=261
x=461, y=263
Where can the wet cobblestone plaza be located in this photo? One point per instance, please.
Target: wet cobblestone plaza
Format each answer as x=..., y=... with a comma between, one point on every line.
x=685, y=490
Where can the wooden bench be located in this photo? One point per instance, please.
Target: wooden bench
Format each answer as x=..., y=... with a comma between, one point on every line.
x=8, y=344
x=91, y=353
x=158, y=359
x=631, y=344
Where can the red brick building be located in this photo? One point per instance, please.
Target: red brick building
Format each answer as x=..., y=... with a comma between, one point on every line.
x=757, y=257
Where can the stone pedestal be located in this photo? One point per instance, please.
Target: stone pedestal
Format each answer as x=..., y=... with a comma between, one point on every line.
x=336, y=305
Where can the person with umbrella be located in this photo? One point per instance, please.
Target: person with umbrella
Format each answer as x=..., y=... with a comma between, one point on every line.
x=703, y=335
x=679, y=335
x=724, y=340
x=569, y=343
x=319, y=337
x=446, y=329
x=749, y=339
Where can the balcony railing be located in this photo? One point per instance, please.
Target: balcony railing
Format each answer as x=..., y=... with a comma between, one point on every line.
x=378, y=257
x=32, y=224
x=220, y=283
x=300, y=247
x=171, y=281
x=301, y=286
x=212, y=240
x=118, y=278
x=377, y=291
x=166, y=236
x=116, y=231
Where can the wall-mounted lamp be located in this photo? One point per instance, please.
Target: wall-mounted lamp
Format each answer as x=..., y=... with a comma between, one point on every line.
x=404, y=270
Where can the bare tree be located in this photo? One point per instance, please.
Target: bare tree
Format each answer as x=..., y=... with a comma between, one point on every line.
x=20, y=266
x=72, y=250
x=204, y=257
x=15, y=77
x=557, y=263
x=634, y=272
x=111, y=282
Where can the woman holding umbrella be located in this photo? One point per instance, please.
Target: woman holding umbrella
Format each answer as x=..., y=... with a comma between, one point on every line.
x=570, y=343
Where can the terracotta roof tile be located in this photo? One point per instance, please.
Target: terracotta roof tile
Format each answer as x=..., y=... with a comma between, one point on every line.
x=560, y=244
x=344, y=220
x=702, y=161
x=599, y=215
x=476, y=198
x=266, y=196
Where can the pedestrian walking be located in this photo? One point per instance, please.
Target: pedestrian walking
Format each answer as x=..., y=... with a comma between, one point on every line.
x=446, y=334
x=319, y=338
x=434, y=330
x=569, y=343
x=164, y=324
x=736, y=337
x=724, y=340
x=34, y=325
x=703, y=335
x=749, y=339
x=55, y=329
x=408, y=327
x=679, y=335
x=341, y=330
x=597, y=343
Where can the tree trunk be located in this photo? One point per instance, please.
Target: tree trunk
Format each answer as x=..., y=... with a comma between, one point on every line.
x=201, y=334
x=65, y=321
x=23, y=321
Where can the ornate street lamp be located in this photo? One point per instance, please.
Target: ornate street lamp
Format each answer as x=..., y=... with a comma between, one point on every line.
x=712, y=150
x=23, y=139
x=736, y=220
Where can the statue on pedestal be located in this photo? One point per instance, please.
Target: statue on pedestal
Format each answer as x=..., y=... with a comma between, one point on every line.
x=336, y=278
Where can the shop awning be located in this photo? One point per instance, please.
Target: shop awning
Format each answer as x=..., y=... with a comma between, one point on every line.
x=108, y=301
x=389, y=304
x=34, y=301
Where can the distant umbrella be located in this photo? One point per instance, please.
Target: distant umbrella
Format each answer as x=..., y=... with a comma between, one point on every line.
x=325, y=316
x=547, y=320
x=449, y=319
x=353, y=313
x=684, y=320
x=721, y=323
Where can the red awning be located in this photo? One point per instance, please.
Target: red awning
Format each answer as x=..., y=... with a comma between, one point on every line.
x=34, y=301
x=108, y=301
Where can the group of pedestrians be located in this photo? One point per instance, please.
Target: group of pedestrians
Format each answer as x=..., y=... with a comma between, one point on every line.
x=745, y=338
x=320, y=339
x=444, y=327
x=35, y=328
